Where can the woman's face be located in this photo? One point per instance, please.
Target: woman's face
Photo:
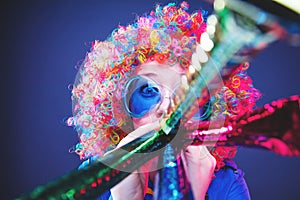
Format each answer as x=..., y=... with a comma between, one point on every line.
x=155, y=97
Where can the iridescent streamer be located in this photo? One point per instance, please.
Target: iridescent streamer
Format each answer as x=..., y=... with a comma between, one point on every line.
x=275, y=127
x=169, y=188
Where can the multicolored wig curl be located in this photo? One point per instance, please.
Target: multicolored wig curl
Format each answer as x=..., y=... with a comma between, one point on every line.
x=167, y=35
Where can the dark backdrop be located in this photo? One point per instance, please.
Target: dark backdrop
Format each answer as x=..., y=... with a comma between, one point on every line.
x=43, y=41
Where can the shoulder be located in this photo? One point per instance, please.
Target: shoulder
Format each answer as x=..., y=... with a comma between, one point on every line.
x=87, y=162
x=229, y=183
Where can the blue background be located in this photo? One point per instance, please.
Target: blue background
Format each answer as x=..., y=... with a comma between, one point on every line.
x=42, y=42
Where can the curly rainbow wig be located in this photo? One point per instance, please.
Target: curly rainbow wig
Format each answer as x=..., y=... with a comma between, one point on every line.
x=167, y=35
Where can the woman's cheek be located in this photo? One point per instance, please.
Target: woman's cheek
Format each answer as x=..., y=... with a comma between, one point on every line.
x=138, y=122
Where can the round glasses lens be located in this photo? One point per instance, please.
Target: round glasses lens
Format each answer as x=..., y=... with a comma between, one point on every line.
x=140, y=96
x=204, y=112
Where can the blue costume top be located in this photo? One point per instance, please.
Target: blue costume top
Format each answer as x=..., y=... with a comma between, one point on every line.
x=229, y=184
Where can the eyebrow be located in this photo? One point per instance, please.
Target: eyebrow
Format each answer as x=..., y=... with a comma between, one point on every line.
x=161, y=85
x=149, y=74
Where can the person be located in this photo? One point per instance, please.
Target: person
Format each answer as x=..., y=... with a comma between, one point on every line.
x=134, y=80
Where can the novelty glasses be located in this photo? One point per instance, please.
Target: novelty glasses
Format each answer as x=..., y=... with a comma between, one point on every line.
x=140, y=95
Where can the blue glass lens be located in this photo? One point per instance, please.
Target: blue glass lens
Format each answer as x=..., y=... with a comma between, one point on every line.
x=140, y=96
x=204, y=112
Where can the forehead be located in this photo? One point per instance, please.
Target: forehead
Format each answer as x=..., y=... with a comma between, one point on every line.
x=166, y=75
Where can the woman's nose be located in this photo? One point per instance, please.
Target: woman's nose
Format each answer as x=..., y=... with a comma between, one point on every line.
x=163, y=107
